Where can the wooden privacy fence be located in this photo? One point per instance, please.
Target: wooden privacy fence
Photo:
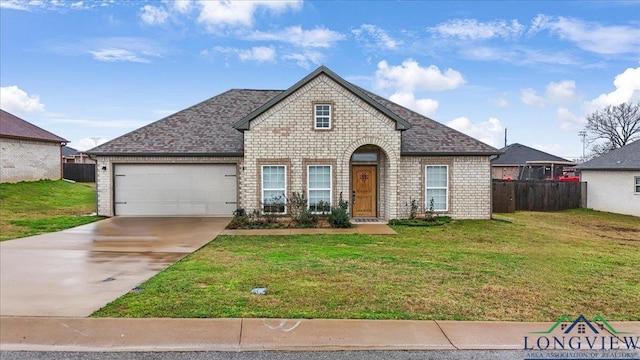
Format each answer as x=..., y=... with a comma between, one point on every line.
x=79, y=172
x=509, y=196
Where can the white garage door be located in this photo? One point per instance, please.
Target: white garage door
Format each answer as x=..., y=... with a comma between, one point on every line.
x=175, y=189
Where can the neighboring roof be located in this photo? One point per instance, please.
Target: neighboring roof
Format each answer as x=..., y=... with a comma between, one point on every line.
x=518, y=154
x=624, y=158
x=68, y=151
x=212, y=126
x=12, y=126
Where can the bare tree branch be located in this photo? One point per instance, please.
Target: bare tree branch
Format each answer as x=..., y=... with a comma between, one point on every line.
x=617, y=125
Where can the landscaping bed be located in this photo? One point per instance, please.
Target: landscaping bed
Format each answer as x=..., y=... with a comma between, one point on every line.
x=533, y=267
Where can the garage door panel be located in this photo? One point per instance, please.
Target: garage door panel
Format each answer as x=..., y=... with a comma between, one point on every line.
x=175, y=189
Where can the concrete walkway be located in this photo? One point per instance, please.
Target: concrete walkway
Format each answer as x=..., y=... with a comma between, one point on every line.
x=366, y=229
x=84, y=334
x=77, y=271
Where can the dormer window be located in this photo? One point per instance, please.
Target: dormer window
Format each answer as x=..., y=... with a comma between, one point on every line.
x=322, y=116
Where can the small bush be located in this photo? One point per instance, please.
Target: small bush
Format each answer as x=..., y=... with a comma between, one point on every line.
x=339, y=218
x=434, y=221
x=307, y=219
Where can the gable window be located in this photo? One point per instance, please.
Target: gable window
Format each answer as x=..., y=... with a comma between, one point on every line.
x=437, y=187
x=319, y=188
x=637, y=184
x=274, y=189
x=322, y=116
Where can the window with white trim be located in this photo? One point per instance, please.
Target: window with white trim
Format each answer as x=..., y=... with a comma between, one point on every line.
x=322, y=116
x=637, y=184
x=319, y=188
x=437, y=187
x=274, y=188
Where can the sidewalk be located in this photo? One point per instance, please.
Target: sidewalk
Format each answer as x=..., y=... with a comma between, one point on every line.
x=88, y=334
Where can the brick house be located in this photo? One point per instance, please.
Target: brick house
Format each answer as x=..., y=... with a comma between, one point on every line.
x=27, y=152
x=323, y=137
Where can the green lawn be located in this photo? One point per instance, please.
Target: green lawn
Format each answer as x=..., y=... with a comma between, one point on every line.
x=37, y=207
x=536, y=268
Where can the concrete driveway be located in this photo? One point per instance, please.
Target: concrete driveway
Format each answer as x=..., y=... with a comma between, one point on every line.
x=77, y=271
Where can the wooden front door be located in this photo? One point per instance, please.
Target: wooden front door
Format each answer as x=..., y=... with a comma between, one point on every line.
x=363, y=181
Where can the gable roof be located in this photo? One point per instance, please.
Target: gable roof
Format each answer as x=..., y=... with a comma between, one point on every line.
x=518, y=154
x=243, y=124
x=200, y=130
x=624, y=158
x=12, y=126
x=214, y=127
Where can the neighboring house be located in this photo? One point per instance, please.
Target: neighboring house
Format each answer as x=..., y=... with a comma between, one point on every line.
x=73, y=156
x=613, y=180
x=27, y=152
x=323, y=137
x=520, y=162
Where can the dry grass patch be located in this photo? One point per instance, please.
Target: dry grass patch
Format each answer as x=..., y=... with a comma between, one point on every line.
x=537, y=267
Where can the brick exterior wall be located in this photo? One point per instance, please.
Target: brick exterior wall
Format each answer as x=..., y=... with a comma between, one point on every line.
x=469, y=185
x=104, y=178
x=285, y=135
x=29, y=160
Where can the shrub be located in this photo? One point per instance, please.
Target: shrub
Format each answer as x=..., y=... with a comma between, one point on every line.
x=307, y=219
x=339, y=218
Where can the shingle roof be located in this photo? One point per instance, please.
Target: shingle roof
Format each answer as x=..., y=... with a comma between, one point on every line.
x=68, y=151
x=203, y=129
x=12, y=126
x=208, y=127
x=624, y=158
x=518, y=154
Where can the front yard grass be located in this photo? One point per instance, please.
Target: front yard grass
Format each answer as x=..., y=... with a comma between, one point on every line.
x=536, y=268
x=37, y=207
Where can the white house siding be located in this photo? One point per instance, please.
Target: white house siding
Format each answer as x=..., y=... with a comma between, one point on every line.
x=612, y=191
x=29, y=160
x=284, y=134
x=469, y=185
x=104, y=178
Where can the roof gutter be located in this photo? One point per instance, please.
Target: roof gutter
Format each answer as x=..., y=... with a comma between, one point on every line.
x=156, y=154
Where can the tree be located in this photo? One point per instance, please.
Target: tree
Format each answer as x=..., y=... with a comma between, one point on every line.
x=616, y=125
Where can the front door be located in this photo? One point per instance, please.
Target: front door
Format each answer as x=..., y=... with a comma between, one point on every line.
x=363, y=180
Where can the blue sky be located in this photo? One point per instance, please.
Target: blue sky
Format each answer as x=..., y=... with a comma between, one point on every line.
x=90, y=71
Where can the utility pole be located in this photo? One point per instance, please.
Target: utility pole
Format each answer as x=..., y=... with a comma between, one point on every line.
x=505, y=137
x=95, y=140
x=583, y=135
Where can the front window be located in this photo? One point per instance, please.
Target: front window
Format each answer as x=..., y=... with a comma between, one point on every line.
x=274, y=188
x=322, y=116
x=319, y=188
x=637, y=184
x=437, y=187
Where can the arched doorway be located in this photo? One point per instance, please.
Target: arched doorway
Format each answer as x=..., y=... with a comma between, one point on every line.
x=369, y=173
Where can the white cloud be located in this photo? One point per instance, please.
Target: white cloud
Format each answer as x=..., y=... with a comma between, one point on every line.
x=85, y=144
x=553, y=149
x=590, y=36
x=500, y=102
x=117, y=55
x=490, y=132
x=259, y=54
x=627, y=89
x=561, y=92
x=409, y=77
x=153, y=15
x=426, y=107
x=568, y=121
x=316, y=38
x=14, y=5
x=183, y=6
x=474, y=30
x=15, y=100
x=222, y=13
x=529, y=97
x=381, y=38
x=305, y=58
x=50, y=5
